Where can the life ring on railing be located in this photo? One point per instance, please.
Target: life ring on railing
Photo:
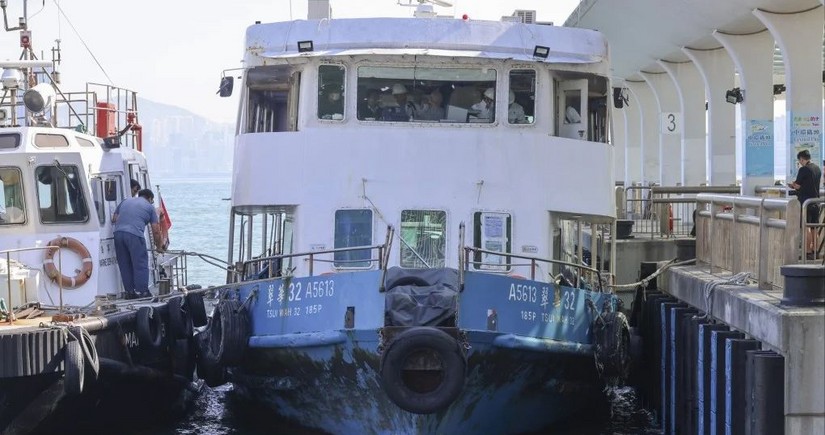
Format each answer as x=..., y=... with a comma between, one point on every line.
x=75, y=246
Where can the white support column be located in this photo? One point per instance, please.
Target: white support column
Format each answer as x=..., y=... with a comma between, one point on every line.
x=649, y=111
x=668, y=126
x=619, y=138
x=717, y=71
x=800, y=38
x=691, y=92
x=753, y=56
x=633, y=140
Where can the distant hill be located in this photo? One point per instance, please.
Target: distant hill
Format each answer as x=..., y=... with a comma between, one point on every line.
x=180, y=143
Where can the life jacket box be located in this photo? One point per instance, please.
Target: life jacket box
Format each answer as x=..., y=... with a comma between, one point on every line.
x=105, y=117
x=24, y=284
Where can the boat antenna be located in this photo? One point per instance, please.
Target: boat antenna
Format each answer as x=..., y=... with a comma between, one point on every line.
x=111, y=82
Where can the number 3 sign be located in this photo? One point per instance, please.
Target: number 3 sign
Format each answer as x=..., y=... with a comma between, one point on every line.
x=671, y=123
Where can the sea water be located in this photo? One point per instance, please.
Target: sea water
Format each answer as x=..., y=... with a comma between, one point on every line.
x=199, y=210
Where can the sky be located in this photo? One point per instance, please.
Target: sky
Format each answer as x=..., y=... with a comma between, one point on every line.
x=173, y=51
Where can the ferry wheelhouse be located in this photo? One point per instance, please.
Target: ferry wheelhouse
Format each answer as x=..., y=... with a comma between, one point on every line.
x=412, y=201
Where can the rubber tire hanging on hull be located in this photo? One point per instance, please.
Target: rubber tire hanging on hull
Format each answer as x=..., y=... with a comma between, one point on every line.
x=149, y=326
x=412, y=343
x=611, y=336
x=74, y=364
x=228, y=333
x=180, y=321
x=197, y=310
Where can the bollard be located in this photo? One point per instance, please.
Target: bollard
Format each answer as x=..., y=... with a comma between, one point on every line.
x=804, y=284
x=624, y=228
x=703, y=373
x=717, y=379
x=764, y=405
x=685, y=249
x=735, y=362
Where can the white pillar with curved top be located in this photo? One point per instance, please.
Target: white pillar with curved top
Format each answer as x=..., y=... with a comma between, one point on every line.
x=669, y=126
x=799, y=37
x=649, y=112
x=633, y=140
x=716, y=69
x=691, y=92
x=753, y=56
x=619, y=139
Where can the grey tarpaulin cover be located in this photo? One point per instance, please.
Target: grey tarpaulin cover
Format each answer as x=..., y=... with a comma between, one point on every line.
x=420, y=297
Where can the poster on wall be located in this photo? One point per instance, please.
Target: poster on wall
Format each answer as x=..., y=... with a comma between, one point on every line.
x=806, y=134
x=759, y=148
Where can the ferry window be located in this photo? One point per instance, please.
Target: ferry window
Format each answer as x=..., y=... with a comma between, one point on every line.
x=9, y=141
x=12, y=208
x=97, y=197
x=331, y=92
x=421, y=94
x=50, y=140
x=492, y=232
x=423, y=238
x=60, y=194
x=522, y=97
x=353, y=228
x=273, y=99
x=85, y=142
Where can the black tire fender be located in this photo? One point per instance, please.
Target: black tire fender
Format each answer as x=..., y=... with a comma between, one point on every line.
x=402, y=384
x=74, y=365
x=180, y=321
x=196, y=308
x=149, y=325
x=208, y=367
x=612, y=339
x=228, y=333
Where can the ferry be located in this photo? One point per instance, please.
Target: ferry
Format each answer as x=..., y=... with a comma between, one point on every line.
x=419, y=214
x=72, y=348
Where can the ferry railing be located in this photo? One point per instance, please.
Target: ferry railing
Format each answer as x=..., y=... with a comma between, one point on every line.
x=176, y=262
x=748, y=234
x=7, y=253
x=274, y=263
x=533, y=263
x=664, y=211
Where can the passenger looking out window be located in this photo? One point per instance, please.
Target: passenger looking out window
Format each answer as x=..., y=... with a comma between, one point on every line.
x=485, y=110
x=521, y=102
x=370, y=107
x=432, y=107
x=405, y=110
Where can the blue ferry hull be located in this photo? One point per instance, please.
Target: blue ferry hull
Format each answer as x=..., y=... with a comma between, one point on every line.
x=521, y=376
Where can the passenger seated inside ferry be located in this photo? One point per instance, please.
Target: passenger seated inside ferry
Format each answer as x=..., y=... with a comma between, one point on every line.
x=515, y=112
x=432, y=106
x=485, y=109
x=405, y=109
x=332, y=105
x=369, y=108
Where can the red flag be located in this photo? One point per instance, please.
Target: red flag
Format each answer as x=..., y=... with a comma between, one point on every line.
x=164, y=215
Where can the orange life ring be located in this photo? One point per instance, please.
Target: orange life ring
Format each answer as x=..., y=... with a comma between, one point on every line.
x=75, y=246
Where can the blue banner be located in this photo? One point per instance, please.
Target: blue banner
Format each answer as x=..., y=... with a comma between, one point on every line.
x=759, y=148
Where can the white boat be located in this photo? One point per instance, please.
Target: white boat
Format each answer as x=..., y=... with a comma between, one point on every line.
x=409, y=204
x=69, y=341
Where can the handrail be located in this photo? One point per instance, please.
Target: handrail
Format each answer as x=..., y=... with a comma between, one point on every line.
x=533, y=260
x=694, y=189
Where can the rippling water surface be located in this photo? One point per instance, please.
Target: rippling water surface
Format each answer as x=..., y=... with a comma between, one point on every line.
x=200, y=223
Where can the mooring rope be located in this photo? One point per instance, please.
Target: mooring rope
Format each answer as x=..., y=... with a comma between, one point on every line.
x=741, y=278
x=644, y=282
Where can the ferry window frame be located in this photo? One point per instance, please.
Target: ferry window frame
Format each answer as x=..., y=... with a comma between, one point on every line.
x=324, y=89
x=64, y=143
x=534, y=90
x=416, y=263
x=20, y=191
x=99, y=199
x=383, y=78
x=478, y=257
x=344, y=259
x=15, y=139
x=81, y=200
x=84, y=142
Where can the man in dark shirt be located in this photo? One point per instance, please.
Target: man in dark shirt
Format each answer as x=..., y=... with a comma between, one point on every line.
x=807, y=186
x=130, y=219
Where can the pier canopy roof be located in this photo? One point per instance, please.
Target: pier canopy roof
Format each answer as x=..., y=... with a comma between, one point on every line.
x=423, y=36
x=641, y=32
